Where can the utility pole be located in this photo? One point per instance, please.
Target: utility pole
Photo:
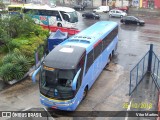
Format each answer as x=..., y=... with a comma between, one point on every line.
x=122, y=3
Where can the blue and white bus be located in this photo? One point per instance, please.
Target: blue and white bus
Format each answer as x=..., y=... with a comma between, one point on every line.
x=46, y=15
x=69, y=70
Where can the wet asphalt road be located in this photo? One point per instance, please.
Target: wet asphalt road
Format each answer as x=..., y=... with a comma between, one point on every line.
x=110, y=91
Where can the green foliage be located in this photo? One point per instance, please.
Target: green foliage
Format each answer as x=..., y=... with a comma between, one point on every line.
x=14, y=66
x=22, y=61
x=6, y=71
x=27, y=45
x=8, y=58
x=21, y=28
x=20, y=37
x=2, y=5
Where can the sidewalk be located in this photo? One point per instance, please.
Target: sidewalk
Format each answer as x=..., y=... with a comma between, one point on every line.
x=145, y=97
x=144, y=12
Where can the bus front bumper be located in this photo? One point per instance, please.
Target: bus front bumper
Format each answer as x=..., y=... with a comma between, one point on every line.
x=68, y=105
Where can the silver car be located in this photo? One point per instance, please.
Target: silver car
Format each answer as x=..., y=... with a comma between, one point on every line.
x=117, y=13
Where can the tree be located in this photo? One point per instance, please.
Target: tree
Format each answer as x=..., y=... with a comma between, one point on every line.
x=2, y=5
x=4, y=33
x=16, y=26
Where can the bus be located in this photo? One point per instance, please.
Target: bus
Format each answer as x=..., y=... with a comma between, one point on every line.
x=48, y=16
x=71, y=68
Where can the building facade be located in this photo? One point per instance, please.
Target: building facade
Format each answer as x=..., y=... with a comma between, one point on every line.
x=95, y=3
x=146, y=3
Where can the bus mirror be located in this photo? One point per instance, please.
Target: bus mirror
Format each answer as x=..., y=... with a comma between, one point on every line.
x=74, y=83
x=35, y=74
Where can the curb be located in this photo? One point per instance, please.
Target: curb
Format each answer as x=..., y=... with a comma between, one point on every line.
x=14, y=81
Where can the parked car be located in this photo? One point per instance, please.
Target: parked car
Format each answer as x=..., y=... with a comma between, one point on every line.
x=91, y=15
x=132, y=20
x=79, y=7
x=101, y=9
x=117, y=13
x=124, y=8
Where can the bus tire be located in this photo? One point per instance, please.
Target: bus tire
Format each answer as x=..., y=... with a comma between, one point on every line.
x=109, y=59
x=85, y=92
x=113, y=52
x=59, y=25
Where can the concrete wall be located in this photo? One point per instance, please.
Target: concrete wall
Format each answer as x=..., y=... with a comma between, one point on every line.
x=119, y=3
x=97, y=3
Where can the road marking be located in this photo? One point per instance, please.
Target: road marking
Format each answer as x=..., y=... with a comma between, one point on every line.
x=129, y=107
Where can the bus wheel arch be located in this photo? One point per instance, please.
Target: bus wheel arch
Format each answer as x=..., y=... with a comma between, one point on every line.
x=109, y=58
x=113, y=52
x=59, y=24
x=85, y=92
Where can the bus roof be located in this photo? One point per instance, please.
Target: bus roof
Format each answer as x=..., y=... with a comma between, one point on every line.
x=64, y=57
x=90, y=36
x=19, y=5
x=43, y=7
x=46, y=7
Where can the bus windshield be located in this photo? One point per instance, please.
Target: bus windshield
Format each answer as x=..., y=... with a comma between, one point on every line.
x=57, y=81
x=73, y=17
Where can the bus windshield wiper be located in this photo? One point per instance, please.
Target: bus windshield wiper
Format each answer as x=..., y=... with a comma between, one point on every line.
x=48, y=91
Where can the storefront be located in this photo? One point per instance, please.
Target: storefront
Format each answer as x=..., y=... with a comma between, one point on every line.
x=150, y=4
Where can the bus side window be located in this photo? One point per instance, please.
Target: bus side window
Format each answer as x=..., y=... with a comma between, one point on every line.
x=26, y=10
x=51, y=13
x=81, y=66
x=90, y=59
x=42, y=12
x=107, y=40
x=97, y=50
x=30, y=11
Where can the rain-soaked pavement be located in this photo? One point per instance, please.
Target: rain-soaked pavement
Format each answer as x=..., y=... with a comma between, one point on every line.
x=110, y=91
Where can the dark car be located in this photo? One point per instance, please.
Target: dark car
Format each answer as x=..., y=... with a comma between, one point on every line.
x=91, y=15
x=79, y=7
x=132, y=20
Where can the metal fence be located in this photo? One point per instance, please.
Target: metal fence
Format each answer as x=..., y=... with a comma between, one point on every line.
x=148, y=64
x=155, y=70
x=39, y=55
x=138, y=73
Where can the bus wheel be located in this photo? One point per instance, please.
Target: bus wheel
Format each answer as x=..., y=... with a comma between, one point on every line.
x=113, y=53
x=85, y=92
x=109, y=59
x=59, y=25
